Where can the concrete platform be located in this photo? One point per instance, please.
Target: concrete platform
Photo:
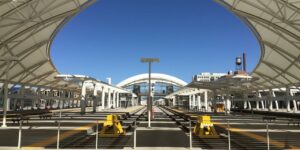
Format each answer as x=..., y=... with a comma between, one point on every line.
x=42, y=133
x=247, y=132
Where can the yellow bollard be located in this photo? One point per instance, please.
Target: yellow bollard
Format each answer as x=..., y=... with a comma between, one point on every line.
x=204, y=128
x=111, y=127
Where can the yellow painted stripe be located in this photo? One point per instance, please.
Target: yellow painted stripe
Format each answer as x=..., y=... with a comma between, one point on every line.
x=63, y=136
x=259, y=137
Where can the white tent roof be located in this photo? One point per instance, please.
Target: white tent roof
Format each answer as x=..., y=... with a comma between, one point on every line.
x=27, y=28
x=276, y=24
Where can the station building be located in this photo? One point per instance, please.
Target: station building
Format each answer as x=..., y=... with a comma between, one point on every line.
x=161, y=86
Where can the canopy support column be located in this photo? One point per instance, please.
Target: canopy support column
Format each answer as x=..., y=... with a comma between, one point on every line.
x=83, y=98
x=114, y=98
x=94, y=98
x=276, y=105
x=109, y=99
x=199, y=102
x=205, y=101
x=190, y=102
x=262, y=104
x=103, y=98
x=288, y=94
x=295, y=106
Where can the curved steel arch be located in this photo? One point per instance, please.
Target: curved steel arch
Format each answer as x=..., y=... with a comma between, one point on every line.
x=154, y=76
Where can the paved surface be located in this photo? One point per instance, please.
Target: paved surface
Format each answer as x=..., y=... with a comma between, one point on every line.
x=77, y=131
x=248, y=132
x=169, y=131
x=164, y=132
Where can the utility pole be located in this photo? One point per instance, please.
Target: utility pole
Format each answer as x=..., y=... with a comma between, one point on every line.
x=149, y=102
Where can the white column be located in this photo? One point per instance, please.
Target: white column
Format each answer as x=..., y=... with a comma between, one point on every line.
x=288, y=94
x=245, y=98
x=190, y=101
x=295, y=106
x=118, y=100
x=174, y=101
x=194, y=100
x=276, y=105
x=257, y=102
x=245, y=104
x=109, y=99
x=294, y=102
x=94, y=98
x=288, y=106
x=249, y=105
x=8, y=104
x=103, y=98
x=262, y=104
x=228, y=103
x=199, y=101
x=276, y=102
x=82, y=100
x=271, y=95
x=270, y=105
x=205, y=101
x=132, y=100
x=115, y=99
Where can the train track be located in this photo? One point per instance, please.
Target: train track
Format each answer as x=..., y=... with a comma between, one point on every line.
x=238, y=141
x=88, y=140
x=164, y=118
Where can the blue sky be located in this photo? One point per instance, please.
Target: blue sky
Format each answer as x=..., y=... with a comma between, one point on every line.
x=189, y=36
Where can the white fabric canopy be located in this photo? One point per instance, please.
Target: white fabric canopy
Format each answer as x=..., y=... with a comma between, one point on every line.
x=27, y=28
x=276, y=24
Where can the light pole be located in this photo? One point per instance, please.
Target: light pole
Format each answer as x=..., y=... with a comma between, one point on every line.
x=8, y=61
x=149, y=102
x=227, y=120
